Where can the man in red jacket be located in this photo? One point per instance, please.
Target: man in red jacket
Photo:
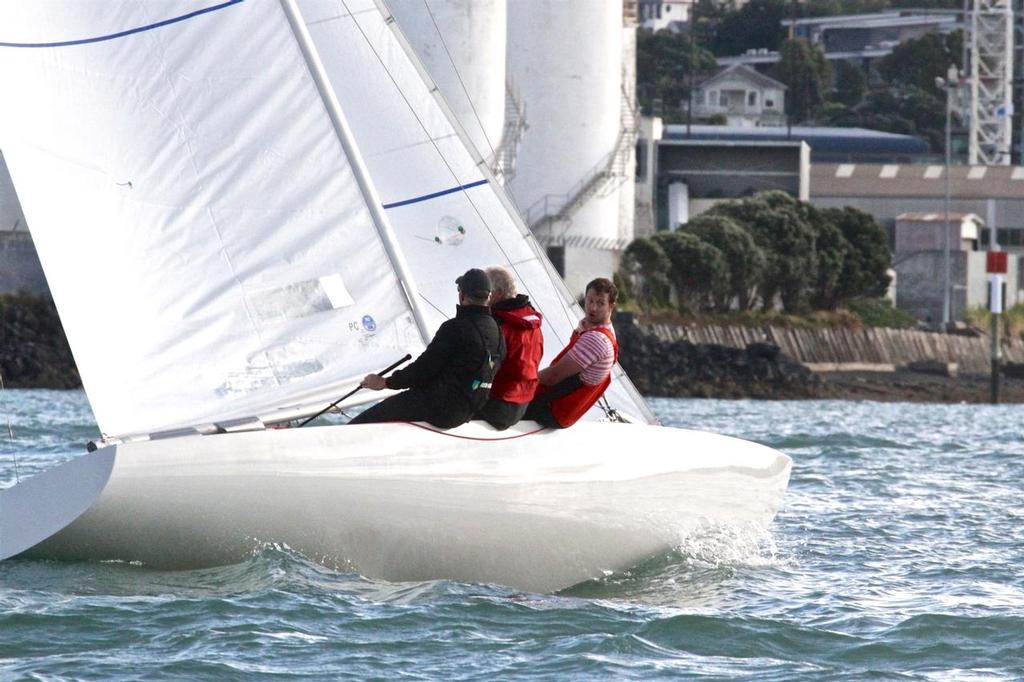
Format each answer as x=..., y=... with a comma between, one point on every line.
x=579, y=375
x=513, y=387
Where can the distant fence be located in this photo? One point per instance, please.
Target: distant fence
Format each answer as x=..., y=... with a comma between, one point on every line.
x=868, y=346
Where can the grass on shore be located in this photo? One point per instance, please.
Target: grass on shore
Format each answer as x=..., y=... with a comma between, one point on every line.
x=857, y=314
x=1012, y=319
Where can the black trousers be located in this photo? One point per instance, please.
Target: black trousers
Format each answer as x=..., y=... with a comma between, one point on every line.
x=501, y=414
x=418, y=406
x=540, y=408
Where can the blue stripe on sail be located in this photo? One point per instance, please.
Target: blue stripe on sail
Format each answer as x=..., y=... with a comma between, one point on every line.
x=425, y=197
x=140, y=29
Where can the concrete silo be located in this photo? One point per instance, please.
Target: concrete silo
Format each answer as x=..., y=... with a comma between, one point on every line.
x=576, y=157
x=462, y=45
x=19, y=264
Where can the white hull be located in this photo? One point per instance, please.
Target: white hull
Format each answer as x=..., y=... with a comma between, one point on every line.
x=397, y=501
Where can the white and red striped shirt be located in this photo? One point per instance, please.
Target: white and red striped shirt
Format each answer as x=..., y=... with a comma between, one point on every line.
x=594, y=353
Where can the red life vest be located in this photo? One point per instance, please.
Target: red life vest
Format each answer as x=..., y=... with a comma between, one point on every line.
x=568, y=409
x=516, y=381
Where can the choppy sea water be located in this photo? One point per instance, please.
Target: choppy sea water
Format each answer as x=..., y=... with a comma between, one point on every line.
x=897, y=554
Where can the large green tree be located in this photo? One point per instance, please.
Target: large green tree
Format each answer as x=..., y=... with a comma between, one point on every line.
x=868, y=259
x=758, y=24
x=831, y=251
x=920, y=61
x=645, y=268
x=745, y=259
x=805, y=71
x=782, y=228
x=699, y=273
x=906, y=110
x=851, y=83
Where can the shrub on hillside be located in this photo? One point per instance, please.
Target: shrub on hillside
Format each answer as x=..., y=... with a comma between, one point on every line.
x=745, y=259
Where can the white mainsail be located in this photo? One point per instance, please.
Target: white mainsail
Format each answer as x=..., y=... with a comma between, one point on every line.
x=207, y=244
x=194, y=177
x=447, y=210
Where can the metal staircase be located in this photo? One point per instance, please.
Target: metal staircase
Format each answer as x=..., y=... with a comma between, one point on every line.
x=504, y=164
x=551, y=216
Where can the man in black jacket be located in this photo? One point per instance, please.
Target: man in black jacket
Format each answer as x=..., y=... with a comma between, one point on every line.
x=451, y=380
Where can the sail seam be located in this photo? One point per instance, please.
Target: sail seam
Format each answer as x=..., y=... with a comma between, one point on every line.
x=434, y=195
x=128, y=32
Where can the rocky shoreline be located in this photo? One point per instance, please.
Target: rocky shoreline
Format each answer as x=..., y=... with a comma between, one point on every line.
x=35, y=354
x=681, y=369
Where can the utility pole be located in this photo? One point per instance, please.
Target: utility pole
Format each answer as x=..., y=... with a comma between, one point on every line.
x=949, y=83
x=693, y=65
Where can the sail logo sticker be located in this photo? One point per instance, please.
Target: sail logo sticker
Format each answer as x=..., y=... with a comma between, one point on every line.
x=450, y=231
x=301, y=299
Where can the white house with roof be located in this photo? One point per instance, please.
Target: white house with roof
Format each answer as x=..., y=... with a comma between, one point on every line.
x=656, y=15
x=745, y=96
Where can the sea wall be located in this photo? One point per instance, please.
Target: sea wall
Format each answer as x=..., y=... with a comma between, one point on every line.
x=840, y=346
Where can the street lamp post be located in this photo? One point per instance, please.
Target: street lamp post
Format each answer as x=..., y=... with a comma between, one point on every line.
x=950, y=82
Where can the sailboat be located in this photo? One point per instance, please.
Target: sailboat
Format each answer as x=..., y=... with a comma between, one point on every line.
x=243, y=207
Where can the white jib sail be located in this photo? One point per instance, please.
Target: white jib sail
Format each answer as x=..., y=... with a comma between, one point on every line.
x=448, y=212
x=208, y=246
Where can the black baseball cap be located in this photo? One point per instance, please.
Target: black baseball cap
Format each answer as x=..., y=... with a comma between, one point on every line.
x=475, y=283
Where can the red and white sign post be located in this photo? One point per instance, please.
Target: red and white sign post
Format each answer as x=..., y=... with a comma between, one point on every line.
x=995, y=266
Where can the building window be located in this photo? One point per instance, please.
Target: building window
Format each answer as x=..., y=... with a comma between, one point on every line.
x=751, y=99
x=986, y=235
x=723, y=99
x=769, y=103
x=556, y=254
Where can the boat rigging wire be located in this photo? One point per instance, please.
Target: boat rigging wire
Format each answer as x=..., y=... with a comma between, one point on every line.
x=389, y=19
x=10, y=434
x=465, y=90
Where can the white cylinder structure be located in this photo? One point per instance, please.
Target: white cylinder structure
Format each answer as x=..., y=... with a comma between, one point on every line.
x=472, y=79
x=565, y=58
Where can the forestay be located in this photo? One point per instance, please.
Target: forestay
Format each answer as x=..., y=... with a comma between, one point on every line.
x=203, y=233
x=447, y=211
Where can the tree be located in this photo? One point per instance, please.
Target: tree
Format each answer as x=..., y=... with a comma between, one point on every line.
x=850, y=82
x=744, y=258
x=699, y=273
x=758, y=24
x=905, y=110
x=805, y=71
x=865, y=269
x=645, y=268
x=920, y=61
x=781, y=227
x=663, y=64
x=831, y=250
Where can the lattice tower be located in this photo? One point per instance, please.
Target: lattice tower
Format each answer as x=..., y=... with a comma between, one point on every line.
x=991, y=82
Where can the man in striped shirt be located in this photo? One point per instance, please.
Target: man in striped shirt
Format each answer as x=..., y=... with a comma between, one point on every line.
x=579, y=375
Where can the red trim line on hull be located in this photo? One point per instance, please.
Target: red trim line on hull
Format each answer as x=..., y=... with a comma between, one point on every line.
x=455, y=435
